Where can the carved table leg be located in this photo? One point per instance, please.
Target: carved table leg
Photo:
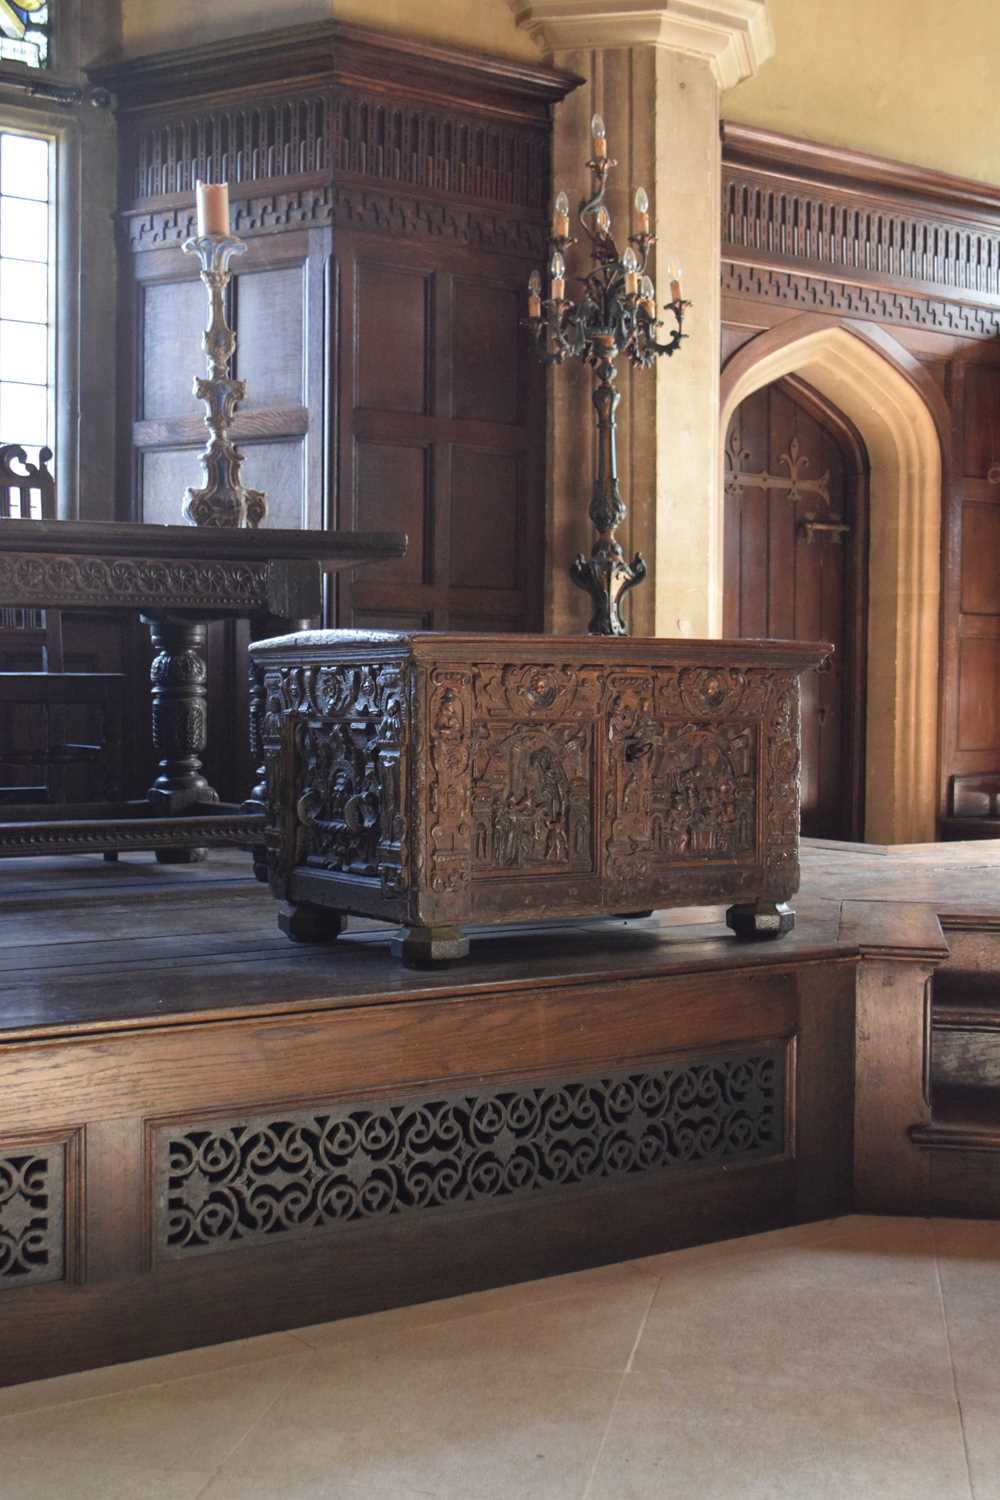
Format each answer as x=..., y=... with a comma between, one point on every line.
x=760, y=921
x=310, y=924
x=422, y=946
x=177, y=679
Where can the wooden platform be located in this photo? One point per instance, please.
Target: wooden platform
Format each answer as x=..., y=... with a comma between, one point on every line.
x=206, y=1131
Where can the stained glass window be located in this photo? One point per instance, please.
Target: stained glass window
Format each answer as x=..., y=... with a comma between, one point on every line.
x=26, y=300
x=24, y=31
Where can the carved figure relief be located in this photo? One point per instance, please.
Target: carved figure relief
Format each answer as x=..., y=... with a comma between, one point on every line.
x=347, y=728
x=531, y=797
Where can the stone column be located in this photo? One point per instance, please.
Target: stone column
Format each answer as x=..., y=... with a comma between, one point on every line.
x=654, y=71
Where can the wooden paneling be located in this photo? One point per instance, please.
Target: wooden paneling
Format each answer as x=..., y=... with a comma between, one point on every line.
x=270, y=313
x=488, y=347
x=392, y=331
x=980, y=446
x=393, y=480
x=440, y=369
x=278, y=468
x=981, y=558
x=979, y=695
x=486, y=516
x=173, y=315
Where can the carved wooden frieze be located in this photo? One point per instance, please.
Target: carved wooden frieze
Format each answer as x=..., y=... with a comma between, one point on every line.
x=880, y=305
x=32, y=1214
x=252, y=1180
x=828, y=231
x=508, y=783
x=66, y=580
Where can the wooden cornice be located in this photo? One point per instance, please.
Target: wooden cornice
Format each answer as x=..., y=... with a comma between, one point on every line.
x=919, y=188
x=325, y=52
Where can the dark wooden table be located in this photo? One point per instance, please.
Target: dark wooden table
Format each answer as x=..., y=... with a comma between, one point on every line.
x=178, y=579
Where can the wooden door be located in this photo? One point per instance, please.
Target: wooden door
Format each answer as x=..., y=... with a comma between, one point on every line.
x=796, y=569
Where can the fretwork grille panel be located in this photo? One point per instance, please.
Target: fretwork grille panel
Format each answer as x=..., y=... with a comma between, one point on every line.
x=32, y=1214
x=257, y=1178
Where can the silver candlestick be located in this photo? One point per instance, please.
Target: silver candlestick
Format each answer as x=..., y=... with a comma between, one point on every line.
x=225, y=499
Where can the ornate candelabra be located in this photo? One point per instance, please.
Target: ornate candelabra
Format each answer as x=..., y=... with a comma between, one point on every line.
x=614, y=314
x=224, y=499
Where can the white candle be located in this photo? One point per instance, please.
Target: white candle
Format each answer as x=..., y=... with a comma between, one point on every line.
x=213, y=207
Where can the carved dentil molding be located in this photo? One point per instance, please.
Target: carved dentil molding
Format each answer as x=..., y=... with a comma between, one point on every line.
x=734, y=37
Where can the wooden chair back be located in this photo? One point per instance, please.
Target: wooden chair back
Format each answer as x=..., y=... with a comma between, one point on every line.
x=28, y=492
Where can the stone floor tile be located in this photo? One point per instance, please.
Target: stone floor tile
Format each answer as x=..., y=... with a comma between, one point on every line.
x=981, y=1421
x=834, y=1313
x=110, y=1379
x=41, y=1479
x=450, y=1427
x=733, y=1440
x=192, y=1423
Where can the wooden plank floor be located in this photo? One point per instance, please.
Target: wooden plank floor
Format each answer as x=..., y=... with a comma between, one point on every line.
x=88, y=945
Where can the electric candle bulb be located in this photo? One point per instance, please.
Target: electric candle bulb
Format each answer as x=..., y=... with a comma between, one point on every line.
x=599, y=131
x=557, y=270
x=603, y=219
x=642, y=209
x=647, y=292
x=560, y=216
x=630, y=265
x=676, y=294
x=534, y=295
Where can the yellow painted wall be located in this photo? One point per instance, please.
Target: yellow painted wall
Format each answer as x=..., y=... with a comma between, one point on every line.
x=156, y=25
x=479, y=25
x=910, y=79
x=483, y=25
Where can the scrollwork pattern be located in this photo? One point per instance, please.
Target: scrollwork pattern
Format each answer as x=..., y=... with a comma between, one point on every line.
x=31, y=1215
x=250, y=1180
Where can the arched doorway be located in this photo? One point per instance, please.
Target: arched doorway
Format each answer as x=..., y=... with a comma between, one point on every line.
x=796, y=552
x=903, y=419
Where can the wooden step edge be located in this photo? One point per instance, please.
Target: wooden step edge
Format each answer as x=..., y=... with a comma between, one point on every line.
x=958, y=1017
x=948, y=1137
x=963, y=1118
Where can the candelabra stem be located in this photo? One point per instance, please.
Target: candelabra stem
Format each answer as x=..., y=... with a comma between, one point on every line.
x=605, y=575
x=224, y=500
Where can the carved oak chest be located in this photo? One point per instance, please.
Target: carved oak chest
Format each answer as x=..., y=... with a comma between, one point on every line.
x=433, y=779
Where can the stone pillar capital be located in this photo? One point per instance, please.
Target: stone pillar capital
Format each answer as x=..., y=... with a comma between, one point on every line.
x=733, y=36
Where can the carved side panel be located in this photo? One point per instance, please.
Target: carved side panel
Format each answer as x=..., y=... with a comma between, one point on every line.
x=32, y=1214
x=254, y=1179
x=335, y=751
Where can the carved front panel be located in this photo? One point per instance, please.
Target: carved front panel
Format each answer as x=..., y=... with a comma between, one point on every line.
x=532, y=798
x=32, y=1214
x=254, y=1179
x=636, y=774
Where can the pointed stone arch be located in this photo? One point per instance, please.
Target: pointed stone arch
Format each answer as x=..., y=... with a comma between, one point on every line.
x=903, y=419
